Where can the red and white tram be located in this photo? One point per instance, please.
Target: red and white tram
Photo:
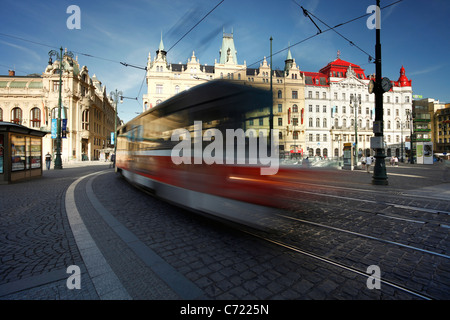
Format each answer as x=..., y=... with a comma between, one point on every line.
x=236, y=191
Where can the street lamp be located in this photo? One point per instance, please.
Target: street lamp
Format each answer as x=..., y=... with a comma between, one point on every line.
x=115, y=95
x=59, y=55
x=357, y=102
x=380, y=86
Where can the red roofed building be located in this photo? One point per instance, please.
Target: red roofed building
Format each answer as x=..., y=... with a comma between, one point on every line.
x=338, y=108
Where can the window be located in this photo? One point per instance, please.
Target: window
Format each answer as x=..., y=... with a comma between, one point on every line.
x=310, y=137
x=325, y=122
x=310, y=108
x=317, y=123
x=295, y=121
x=310, y=94
x=1, y=114
x=324, y=95
x=159, y=88
x=280, y=108
x=310, y=122
x=84, y=120
x=318, y=137
x=55, y=86
x=177, y=89
x=295, y=108
x=317, y=108
x=16, y=115
x=324, y=109
x=325, y=138
x=35, y=118
x=280, y=94
x=295, y=135
x=261, y=122
x=317, y=95
x=280, y=121
x=294, y=95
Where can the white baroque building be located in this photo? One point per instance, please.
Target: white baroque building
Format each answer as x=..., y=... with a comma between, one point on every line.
x=315, y=112
x=340, y=108
x=32, y=101
x=166, y=79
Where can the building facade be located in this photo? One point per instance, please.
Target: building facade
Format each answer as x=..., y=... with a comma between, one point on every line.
x=165, y=79
x=315, y=112
x=442, y=131
x=87, y=111
x=339, y=109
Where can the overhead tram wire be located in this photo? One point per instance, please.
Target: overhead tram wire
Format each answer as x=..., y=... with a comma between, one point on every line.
x=76, y=52
x=322, y=31
x=195, y=25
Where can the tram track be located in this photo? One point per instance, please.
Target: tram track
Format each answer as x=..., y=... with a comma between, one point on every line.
x=334, y=263
x=437, y=217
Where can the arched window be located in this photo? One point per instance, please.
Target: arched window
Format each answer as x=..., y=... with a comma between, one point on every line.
x=325, y=152
x=16, y=115
x=35, y=118
x=85, y=120
x=54, y=113
x=318, y=152
x=318, y=123
x=325, y=122
x=177, y=89
x=294, y=108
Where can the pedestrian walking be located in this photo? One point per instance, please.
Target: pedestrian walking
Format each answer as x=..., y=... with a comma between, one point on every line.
x=368, y=163
x=113, y=160
x=48, y=160
x=363, y=162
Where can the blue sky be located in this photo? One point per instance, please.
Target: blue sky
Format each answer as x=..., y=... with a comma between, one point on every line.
x=414, y=33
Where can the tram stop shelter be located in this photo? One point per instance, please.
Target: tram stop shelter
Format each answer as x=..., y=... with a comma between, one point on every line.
x=20, y=152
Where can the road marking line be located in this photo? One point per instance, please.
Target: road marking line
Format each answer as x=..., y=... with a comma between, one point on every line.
x=106, y=282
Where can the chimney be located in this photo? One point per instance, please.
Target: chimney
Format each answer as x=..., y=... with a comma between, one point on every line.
x=11, y=73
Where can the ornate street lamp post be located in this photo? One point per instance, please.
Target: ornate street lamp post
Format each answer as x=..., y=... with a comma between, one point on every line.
x=59, y=55
x=380, y=86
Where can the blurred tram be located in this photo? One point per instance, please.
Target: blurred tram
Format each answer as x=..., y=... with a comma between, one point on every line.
x=234, y=190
